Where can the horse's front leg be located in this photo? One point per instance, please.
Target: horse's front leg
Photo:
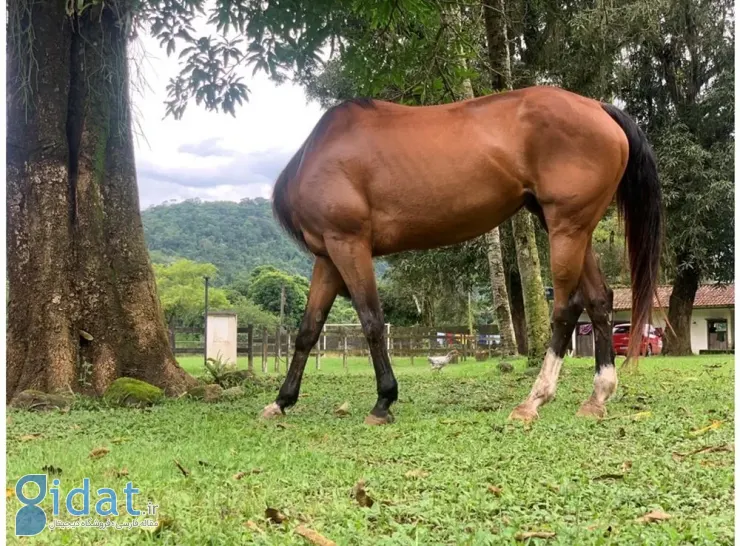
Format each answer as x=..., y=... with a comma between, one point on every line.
x=354, y=261
x=325, y=285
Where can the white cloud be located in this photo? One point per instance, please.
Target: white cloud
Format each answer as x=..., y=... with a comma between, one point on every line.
x=211, y=155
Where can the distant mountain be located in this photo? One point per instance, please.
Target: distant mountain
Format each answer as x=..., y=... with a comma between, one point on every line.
x=235, y=237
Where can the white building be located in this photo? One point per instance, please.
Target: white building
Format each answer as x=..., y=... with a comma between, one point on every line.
x=712, y=318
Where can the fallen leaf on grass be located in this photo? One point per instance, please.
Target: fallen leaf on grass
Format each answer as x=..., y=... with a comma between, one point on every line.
x=254, y=527
x=274, y=515
x=29, y=437
x=707, y=449
x=99, y=452
x=609, y=477
x=361, y=496
x=597, y=526
x=121, y=473
x=9, y=492
x=342, y=410
x=652, y=517
x=314, y=537
x=239, y=475
x=50, y=469
x=642, y=415
x=164, y=522
x=626, y=466
x=417, y=473
x=495, y=490
x=701, y=431
x=534, y=534
x=185, y=471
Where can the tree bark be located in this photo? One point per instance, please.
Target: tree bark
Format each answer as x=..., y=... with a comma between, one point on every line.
x=680, y=306
x=82, y=306
x=535, y=305
x=536, y=310
x=500, y=295
x=518, y=317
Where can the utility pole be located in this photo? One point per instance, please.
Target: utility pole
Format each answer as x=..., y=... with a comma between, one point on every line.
x=205, y=325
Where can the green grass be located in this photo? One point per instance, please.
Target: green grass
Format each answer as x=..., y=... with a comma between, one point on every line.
x=563, y=474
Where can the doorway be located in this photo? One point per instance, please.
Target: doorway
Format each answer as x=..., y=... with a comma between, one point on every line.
x=717, y=335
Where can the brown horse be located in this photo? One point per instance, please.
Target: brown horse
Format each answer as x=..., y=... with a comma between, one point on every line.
x=374, y=178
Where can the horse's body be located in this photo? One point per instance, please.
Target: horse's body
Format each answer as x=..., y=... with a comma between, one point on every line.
x=376, y=178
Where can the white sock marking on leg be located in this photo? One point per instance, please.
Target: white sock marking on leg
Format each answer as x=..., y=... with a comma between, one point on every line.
x=605, y=383
x=544, y=387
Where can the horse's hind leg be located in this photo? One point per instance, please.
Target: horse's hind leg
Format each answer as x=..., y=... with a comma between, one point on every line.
x=354, y=261
x=567, y=252
x=599, y=300
x=325, y=284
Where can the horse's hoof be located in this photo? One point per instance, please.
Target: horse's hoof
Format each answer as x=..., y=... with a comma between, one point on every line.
x=590, y=409
x=524, y=413
x=272, y=411
x=374, y=420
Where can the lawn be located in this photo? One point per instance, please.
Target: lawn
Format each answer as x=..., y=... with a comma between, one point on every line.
x=451, y=470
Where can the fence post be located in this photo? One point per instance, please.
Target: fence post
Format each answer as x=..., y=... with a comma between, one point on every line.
x=389, y=343
x=277, y=349
x=250, y=348
x=264, y=350
x=171, y=332
x=287, y=352
x=344, y=352
x=318, y=354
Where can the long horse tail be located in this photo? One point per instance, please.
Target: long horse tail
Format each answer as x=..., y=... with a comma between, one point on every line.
x=639, y=203
x=281, y=207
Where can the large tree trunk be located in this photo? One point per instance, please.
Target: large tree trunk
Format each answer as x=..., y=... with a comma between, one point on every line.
x=535, y=304
x=82, y=306
x=500, y=295
x=680, y=307
x=518, y=316
x=492, y=239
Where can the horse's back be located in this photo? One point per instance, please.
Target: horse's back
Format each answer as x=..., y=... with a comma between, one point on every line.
x=416, y=177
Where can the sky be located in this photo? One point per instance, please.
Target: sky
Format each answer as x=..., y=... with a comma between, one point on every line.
x=211, y=155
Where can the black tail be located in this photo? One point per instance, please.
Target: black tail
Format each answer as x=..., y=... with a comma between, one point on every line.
x=280, y=206
x=640, y=204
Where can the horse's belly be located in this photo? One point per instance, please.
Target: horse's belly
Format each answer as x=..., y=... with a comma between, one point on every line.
x=418, y=220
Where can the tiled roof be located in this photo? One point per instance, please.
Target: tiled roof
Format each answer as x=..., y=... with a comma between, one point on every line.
x=707, y=296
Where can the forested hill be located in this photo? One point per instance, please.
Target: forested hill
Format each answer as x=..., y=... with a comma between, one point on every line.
x=235, y=237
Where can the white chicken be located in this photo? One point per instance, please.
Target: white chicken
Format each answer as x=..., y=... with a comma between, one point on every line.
x=439, y=362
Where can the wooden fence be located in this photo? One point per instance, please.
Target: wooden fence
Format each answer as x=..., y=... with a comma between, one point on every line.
x=415, y=342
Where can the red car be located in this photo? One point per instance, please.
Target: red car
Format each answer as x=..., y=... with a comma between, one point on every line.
x=652, y=340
